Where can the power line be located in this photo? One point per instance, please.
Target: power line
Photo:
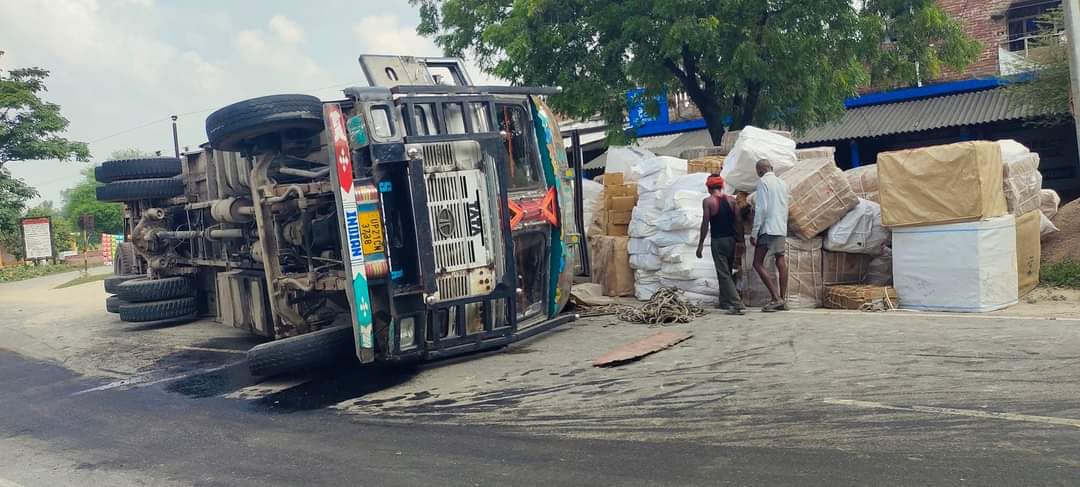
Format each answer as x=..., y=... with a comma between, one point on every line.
x=204, y=110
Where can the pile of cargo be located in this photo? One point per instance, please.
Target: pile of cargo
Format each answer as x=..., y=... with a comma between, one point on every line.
x=946, y=228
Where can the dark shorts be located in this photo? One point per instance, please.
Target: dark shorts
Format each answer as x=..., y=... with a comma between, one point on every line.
x=772, y=243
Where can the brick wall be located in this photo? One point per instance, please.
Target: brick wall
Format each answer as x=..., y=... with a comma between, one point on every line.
x=983, y=20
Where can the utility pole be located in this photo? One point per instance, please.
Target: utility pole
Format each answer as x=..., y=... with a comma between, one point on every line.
x=175, y=139
x=1072, y=31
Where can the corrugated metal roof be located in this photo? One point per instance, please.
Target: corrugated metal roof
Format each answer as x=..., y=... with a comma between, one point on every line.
x=913, y=116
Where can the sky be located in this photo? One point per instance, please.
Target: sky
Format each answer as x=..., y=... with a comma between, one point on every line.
x=120, y=68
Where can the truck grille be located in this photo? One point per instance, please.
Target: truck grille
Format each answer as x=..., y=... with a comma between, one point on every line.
x=449, y=156
x=460, y=220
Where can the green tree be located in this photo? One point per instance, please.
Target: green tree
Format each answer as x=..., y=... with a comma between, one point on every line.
x=1047, y=91
x=82, y=200
x=29, y=130
x=14, y=194
x=761, y=62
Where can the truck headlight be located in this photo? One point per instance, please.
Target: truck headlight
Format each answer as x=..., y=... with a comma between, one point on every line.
x=407, y=333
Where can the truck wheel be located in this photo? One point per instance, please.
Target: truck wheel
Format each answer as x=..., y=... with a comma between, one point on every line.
x=143, y=290
x=158, y=310
x=140, y=189
x=112, y=283
x=112, y=304
x=301, y=352
x=234, y=127
x=124, y=169
x=124, y=262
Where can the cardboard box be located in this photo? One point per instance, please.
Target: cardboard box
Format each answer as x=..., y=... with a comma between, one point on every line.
x=941, y=184
x=619, y=217
x=616, y=190
x=613, y=179
x=855, y=296
x=1028, y=251
x=620, y=203
x=844, y=268
x=610, y=262
x=616, y=230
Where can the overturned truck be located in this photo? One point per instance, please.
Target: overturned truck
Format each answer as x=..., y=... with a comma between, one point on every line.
x=416, y=218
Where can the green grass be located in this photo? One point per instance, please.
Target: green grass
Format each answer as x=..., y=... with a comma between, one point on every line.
x=1065, y=274
x=83, y=280
x=21, y=272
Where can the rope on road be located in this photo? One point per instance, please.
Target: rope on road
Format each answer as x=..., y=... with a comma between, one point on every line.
x=669, y=305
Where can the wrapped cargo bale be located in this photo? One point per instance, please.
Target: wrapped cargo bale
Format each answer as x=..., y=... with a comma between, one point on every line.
x=858, y=232
x=643, y=222
x=879, y=271
x=815, y=153
x=856, y=296
x=727, y=142
x=656, y=173
x=592, y=202
x=864, y=182
x=753, y=145
x=963, y=267
x=819, y=197
x=942, y=184
x=844, y=268
x=646, y=283
x=705, y=165
x=1049, y=202
x=638, y=246
x=701, y=152
x=1028, y=251
x=1023, y=183
x=1046, y=227
x=611, y=265
x=805, y=286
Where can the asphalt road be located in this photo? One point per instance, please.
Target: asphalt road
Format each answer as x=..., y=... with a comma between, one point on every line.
x=801, y=399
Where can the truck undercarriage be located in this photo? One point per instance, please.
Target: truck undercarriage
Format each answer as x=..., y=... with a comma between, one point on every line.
x=416, y=218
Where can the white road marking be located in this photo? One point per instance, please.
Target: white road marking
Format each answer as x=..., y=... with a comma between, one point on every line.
x=146, y=381
x=264, y=389
x=973, y=413
x=908, y=313
x=218, y=350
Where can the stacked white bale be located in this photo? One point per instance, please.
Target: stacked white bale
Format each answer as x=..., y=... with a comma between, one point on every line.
x=652, y=174
x=752, y=145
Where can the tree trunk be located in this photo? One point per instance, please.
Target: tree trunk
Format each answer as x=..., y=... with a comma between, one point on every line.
x=715, y=123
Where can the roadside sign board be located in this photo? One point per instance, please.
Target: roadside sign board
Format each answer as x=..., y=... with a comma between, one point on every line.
x=37, y=237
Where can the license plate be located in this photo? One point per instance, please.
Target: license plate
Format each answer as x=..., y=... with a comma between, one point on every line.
x=371, y=232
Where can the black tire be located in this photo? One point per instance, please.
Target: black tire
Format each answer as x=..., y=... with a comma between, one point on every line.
x=159, y=310
x=125, y=169
x=112, y=304
x=301, y=352
x=124, y=262
x=140, y=189
x=112, y=283
x=235, y=127
x=143, y=290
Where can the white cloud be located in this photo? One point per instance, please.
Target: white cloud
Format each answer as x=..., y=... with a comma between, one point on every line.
x=286, y=30
x=383, y=34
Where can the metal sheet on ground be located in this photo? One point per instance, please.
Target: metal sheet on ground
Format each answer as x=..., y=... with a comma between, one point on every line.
x=636, y=350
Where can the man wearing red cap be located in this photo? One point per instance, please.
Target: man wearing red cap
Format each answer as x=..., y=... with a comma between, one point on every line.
x=722, y=223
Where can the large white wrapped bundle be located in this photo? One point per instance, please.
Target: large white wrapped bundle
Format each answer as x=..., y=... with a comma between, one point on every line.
x=675, y=237
x=657, y=173
x=689, y=269
x=705, y=287
x=645, y=292
x=963, y=267
x=859, y=232
x=638, y=246
x=686, y=190
x=646, y=277
x=621, y=158
x=592, y=201
x=643, y=222
x=1012, y=151
x=753, y=145
x=647, y=262
x=648, y=200
x=676, y=253
x=682, y=218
